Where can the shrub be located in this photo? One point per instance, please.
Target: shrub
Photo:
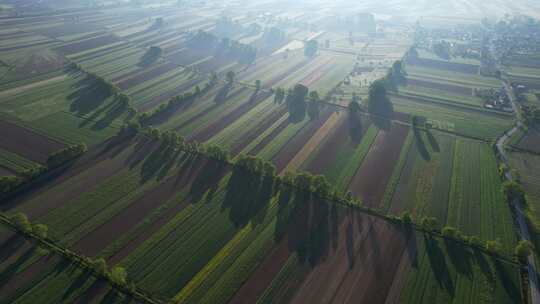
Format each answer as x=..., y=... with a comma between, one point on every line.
x=523, y=249
x=20, y=220
x=40, y=230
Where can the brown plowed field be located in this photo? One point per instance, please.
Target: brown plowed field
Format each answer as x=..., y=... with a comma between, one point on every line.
x=327, y=153
x=6, y=172
x=261, y=278
x=92, y=243
x=369, y=182
x=362, y=267
x=289, y=150
x=51, y=198
x=461, y=90
x=189, y=174
x=27, y=143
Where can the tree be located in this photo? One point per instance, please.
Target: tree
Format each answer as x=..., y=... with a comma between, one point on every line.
x=100, y=266
x=406, y=218
x=257, y=85
x=40, y=230
x=296, y=103
x=379, y=104
x=230, y=76
x=310, y=48
x=58, y=158
x=354, y=107
x=429, y=223
x=494, y=246
x=513, y=190
x=7, y=183
x=450, y=232
x=21, y=221
x=523, y=249
x=119, y=275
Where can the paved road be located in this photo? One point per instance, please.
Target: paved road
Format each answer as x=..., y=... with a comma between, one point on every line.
x=516, y=204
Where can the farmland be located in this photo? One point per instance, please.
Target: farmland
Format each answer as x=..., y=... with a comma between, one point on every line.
x=205, y=153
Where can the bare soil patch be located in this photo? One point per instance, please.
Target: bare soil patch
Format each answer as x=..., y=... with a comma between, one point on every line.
x=369, y=182
x=27, y=143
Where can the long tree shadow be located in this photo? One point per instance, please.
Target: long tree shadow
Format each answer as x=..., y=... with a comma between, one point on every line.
x=88, y=96
x=421, y=145
x=433, y=141
x=12, y=269
x=438, y=264
x=412, y=246
x=460, y=257
x=308, y=223
x=355, y=127
x=112, y=114
x=247, y=197
x=207, y=180
x=77, y=283
x=222, y=94
x=10, y=246
x=508, y=283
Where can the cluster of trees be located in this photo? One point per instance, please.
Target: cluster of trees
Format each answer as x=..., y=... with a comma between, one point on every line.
x=296, y=102
x=117, y=276
x=65, y=155
x=225, y=47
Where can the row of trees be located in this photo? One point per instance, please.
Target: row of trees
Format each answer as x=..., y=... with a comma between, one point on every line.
x=56, y=159
x=65, y=155
x=176, y=102
x=116, y=276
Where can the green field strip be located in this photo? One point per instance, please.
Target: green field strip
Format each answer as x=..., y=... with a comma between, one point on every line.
x=235, y=132
x=15, y=162
x=276, y=292
x=72, y=280
x=497, y=220
x=441, y=186
x=453, y=77
x=239, y=272
x=71, y=214
x=468, y=123
x=397, y=173
x=67, y=128
x=448, y=273
x=235, y=256
x=281, y=139
x=264, y=134
x=215, y=112
x=441, y=96
x=349, y=159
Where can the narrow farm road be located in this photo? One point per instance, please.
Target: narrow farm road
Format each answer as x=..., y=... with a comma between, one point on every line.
x=516, y=204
